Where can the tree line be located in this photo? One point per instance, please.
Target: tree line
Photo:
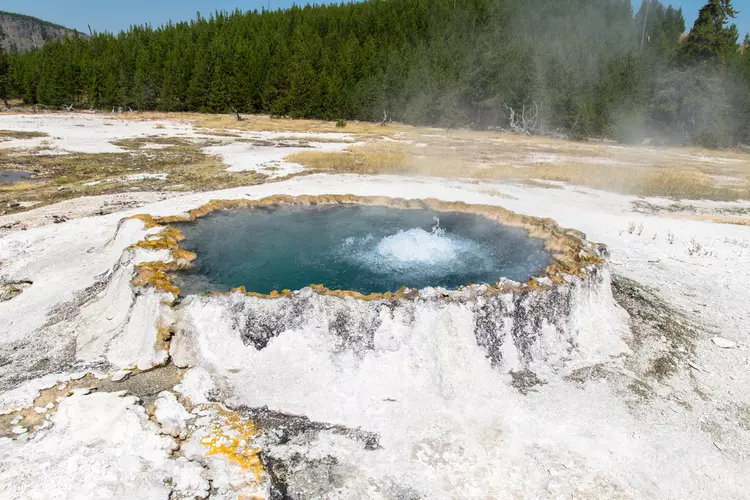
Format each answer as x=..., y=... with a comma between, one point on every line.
x=585, y=68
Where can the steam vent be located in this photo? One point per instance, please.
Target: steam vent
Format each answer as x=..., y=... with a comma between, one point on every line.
x=240, y=279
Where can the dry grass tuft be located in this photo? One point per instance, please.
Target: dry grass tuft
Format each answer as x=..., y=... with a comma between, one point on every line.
x=19, y=186
x=357, y=159
x=17, y=134
x=170, y=144
x=668, y=182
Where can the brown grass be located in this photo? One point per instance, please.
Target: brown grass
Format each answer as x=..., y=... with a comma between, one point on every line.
x=690, y=173
x=718, y=219
x=687, y=173
x=17, y=134
x=172, y=144
x=19, y=186
x=61, y=177
x=621, y=170
x=266, y=123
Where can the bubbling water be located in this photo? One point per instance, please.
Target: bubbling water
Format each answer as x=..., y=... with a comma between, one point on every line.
x=366, y=249
x=417, y=245
x=416, y=253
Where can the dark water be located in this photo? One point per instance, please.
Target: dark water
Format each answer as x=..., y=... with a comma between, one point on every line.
x=13, y=177
x=367, y=249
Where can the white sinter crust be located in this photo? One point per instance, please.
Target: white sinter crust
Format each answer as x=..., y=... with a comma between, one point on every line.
x=423, y=397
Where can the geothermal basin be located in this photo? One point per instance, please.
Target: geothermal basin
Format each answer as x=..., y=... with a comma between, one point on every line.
x=424, y=315
x=365, y=249
x=357, y=270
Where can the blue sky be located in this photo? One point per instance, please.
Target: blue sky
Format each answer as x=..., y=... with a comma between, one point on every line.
x=114, y=15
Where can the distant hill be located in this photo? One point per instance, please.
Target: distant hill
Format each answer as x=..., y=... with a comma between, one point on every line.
x=23, y=33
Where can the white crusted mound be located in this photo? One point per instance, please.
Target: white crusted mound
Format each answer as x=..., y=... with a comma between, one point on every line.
x=424, y=375
x=550, y=328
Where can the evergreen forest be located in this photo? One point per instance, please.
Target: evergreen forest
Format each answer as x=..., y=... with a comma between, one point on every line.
x=582, y=68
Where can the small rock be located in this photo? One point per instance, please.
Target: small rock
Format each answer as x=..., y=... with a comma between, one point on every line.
x=723, y=343
x=171, y=415
x=19, y=430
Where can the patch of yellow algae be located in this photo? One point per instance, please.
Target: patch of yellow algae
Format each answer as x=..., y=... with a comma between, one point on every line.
x=571, y=253
x=231, y=435
x=163, y=336
x=168, y=238
x=148, y=220
x=155, y=274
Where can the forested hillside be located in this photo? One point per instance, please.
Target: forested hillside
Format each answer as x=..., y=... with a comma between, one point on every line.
x=586, y=68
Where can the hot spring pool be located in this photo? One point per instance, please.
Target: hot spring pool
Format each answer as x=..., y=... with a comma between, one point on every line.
x=13, y=177
x=361, y=248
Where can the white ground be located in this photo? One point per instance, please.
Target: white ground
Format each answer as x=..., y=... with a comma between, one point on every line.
x=481, y=439
x=81, y=133
x=242, y=156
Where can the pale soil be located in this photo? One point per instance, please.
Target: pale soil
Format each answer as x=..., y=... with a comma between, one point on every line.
x=670, y=419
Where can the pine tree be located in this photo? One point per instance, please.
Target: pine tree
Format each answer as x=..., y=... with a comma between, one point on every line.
x=4, y=75
x=144, y=95
x=711, y=37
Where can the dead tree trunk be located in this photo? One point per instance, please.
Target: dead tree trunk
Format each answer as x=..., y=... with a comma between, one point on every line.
x=237, y=115
x=523, y=122
x=384, y=120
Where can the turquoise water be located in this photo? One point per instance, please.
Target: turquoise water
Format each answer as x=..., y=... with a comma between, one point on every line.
x=366, y=249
